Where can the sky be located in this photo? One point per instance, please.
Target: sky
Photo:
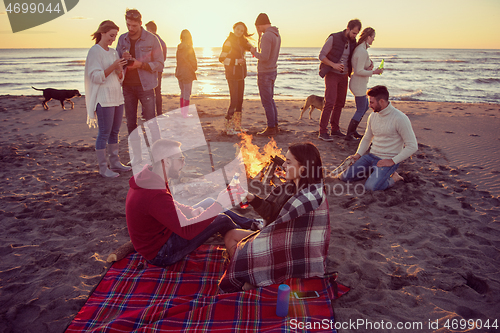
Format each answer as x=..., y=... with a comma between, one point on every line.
x=456, y=24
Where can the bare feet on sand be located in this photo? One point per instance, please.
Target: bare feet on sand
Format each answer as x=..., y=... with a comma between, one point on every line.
x=396, y=177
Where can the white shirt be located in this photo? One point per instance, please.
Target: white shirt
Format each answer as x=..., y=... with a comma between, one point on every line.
x=106, y=91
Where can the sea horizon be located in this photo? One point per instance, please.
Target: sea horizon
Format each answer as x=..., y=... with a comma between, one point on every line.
x=420, y=74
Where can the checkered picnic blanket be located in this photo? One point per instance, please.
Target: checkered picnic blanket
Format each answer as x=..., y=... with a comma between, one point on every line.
x=137, y=297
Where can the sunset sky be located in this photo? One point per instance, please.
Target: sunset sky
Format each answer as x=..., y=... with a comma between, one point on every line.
x=398, y=23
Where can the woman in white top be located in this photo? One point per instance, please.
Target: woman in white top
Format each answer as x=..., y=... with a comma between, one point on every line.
x=104, y=97
x=362, y=70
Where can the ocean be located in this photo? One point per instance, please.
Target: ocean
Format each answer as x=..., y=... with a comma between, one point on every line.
x=444, y=75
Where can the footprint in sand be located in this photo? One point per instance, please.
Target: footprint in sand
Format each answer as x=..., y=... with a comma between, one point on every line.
x=449, y=132
x=473, y=134
x=427, y=129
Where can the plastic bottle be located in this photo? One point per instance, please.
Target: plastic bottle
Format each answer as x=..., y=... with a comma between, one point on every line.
x=282, y=300
x=381, y=66
x=235, y=183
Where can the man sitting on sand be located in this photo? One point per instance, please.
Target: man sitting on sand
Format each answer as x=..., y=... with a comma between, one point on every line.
x=164, y=231
x=392, y=140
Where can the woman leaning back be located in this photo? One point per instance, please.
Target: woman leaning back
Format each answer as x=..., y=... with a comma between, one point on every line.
x=233, y=58
x=362, y=70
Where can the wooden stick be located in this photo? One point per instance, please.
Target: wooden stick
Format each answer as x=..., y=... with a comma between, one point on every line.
x=121, y=252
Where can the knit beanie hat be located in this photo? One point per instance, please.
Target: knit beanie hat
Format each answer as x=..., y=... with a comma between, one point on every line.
x=262, y=19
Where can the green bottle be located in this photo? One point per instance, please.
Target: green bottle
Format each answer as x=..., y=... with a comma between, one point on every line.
x=381, y=66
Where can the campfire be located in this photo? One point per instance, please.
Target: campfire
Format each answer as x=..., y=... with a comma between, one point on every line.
x=263, y=164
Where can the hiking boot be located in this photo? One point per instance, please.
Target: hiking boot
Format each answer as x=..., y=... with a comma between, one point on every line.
x=269, y=131
x=325, y=137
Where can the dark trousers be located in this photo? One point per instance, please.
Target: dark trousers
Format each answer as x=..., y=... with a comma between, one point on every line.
x=132, y=96
x=236, y=93
x=335, y=94
x=158, y=96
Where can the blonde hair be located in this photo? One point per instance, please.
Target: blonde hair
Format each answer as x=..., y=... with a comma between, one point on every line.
x=104, y=27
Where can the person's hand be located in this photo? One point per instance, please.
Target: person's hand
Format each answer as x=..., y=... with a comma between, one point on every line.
x=339, y=67
x=197, y=211
x=225, y=200
x=241, y=61
x=253, y=49
x=355, y=157
x=385, y=163
x=250, y=197
x=118, y=65
x=371, y=66
x=378, y=71
x=136, y=64
x=126, y=55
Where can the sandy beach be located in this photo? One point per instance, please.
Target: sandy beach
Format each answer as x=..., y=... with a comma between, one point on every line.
x=425, y=251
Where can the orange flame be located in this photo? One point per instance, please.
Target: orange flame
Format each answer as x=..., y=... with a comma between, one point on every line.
x=254, y=159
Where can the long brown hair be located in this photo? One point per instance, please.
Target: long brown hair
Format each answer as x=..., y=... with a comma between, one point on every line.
x=104, y=27
x=308, y=157
x=186, y=37
x=367, y=32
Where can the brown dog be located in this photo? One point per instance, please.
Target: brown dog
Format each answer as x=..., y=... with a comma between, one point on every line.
x=312, y=102
x=60, y=95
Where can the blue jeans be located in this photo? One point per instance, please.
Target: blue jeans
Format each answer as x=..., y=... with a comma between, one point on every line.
x=132, y=96
x=176, y=247
x=109, y=120
x=366, y=167
x=265, y=81
x=361, y=107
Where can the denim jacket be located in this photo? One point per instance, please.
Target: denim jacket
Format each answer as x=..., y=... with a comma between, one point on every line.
x=147, y=49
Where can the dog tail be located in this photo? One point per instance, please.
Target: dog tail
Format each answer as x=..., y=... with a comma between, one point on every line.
x=36, y=88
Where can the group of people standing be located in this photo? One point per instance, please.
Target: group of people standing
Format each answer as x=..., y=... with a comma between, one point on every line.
x=295, y=214
x=136, y=67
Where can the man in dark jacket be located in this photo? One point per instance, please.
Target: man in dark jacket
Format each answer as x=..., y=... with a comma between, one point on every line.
x=336, y=68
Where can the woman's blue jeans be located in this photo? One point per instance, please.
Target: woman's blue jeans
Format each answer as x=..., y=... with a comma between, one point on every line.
x=109, y=121
x=362, y=106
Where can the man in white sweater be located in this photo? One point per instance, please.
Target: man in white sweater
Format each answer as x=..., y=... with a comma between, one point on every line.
x=392, y=140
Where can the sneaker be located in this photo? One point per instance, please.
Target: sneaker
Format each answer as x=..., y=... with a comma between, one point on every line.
x=325, y=137
x=337, y=133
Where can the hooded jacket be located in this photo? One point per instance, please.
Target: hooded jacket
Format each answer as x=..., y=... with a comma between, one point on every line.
x=153, y=215
x=269, y=47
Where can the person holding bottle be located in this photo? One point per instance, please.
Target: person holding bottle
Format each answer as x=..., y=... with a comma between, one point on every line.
x=233, y=58
x=296, y=222
x=362, y=70
x=104, y=97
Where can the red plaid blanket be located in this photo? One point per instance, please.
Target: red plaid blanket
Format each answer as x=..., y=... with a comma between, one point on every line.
x=137, y=297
